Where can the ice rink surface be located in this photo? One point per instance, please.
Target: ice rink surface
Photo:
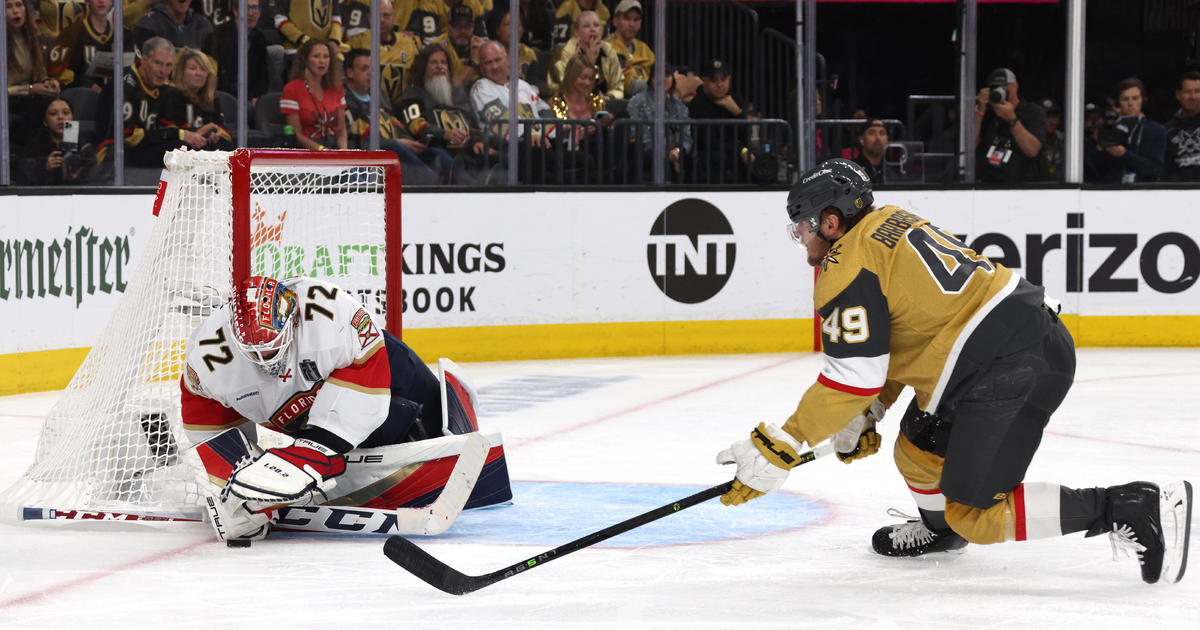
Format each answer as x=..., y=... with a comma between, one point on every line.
x=593, y=442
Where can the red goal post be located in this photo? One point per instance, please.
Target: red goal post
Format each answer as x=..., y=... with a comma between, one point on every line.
x=241, y=163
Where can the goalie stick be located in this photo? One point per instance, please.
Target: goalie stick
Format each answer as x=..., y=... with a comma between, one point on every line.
x=447, y=579
x=431, y=519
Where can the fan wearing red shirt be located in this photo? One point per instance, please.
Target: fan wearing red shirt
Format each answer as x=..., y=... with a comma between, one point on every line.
x=313, y=102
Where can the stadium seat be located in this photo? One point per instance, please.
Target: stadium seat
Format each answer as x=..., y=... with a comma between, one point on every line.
x=229, y=110
x=84, y=103
x=228, y=106
x=267, y=117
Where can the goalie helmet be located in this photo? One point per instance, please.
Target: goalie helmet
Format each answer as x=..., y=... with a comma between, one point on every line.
x=836, y=183
x=262, y=315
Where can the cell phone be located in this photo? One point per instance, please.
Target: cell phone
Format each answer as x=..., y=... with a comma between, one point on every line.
x=71, y=133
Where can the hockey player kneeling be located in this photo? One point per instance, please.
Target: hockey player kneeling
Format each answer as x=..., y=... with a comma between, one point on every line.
x=304, y=358
x=904, y=303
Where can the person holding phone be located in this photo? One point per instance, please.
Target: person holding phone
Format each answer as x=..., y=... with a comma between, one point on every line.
x=54, y=157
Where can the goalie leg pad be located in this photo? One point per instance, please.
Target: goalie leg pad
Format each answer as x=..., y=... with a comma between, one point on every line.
x=459, y=401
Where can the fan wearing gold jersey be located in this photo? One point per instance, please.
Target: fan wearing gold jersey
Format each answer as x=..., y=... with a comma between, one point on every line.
x=905, y=303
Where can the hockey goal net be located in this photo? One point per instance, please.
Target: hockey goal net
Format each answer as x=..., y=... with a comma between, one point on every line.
x=114, y=441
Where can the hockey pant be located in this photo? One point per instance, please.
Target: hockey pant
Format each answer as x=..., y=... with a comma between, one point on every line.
x=965, y=465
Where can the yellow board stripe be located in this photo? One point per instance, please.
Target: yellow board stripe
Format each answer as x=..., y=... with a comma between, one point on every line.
x=52, y=369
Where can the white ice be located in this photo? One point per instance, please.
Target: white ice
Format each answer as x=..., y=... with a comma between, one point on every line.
x=1132, y=414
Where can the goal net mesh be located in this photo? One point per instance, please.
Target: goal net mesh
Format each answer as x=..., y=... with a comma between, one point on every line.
x=114, y=439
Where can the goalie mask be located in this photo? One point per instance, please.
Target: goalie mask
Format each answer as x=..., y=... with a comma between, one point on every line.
x=262, y=315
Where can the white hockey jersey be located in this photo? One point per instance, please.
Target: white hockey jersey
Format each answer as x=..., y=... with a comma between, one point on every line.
x=490, y=100
x=338, y=377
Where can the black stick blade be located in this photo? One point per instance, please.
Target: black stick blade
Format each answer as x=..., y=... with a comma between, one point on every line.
x=434, y=572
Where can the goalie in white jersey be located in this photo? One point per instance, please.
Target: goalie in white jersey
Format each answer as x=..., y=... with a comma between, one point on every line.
x=302, y=357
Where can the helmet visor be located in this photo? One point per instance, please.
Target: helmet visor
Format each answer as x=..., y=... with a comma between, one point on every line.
x=796, y=230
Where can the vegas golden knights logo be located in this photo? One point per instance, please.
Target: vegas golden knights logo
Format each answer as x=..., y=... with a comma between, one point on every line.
x=320, y=13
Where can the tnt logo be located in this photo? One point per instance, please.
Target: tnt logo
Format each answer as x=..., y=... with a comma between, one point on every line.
x=691, y=251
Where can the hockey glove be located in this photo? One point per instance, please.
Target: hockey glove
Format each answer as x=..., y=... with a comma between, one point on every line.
x=859, y=439
x=230, y=518
x=299, y=474
x=763, y=462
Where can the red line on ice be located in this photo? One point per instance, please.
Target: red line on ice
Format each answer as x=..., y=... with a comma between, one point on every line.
x=54, y=589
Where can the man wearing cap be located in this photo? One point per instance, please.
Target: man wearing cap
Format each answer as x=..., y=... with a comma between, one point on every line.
x=635, y=55
x=1009, y=132
x=872, y=139
x=715, y=101
x=1183, y=131
x=463, y=45
x=428, y=18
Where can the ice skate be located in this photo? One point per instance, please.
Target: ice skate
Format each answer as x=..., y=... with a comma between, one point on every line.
x=1154, y=523
x=914, y=538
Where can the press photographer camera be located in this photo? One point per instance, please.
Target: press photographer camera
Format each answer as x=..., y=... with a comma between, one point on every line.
x=1114, y=129
x=997, y=93
x=1128, y=147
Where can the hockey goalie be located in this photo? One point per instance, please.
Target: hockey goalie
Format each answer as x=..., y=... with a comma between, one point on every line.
x=372, y=426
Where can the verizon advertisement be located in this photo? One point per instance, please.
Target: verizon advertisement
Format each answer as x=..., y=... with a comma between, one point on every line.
x=481, y=260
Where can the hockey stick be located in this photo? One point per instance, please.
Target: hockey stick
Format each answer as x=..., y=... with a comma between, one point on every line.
x=447, y=579
x=438, y=516
x=431, y=519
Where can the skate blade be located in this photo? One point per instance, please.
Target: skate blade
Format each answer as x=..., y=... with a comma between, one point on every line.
x=1175, y=507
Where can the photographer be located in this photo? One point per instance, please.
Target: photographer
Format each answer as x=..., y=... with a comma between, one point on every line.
x=52, y=160
x=1009, y=132
x=1128, y=147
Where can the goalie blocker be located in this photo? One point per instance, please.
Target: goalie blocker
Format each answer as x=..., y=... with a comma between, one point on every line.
x=414, y=488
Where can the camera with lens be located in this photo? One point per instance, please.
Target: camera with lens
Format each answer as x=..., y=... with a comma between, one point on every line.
x=75, y=157
x=83, y=157
x=1113, y=130
x=997, y=93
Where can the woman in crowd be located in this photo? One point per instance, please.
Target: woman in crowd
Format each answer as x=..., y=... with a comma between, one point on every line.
x=29, y=86
x=588, y=41
x=577, y=100
x=197, y=111
x=314, y=102
x=46, y=161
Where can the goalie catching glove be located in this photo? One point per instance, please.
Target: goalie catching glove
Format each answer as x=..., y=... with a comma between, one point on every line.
x=859, y=439
x=299, y=474
x=763, y=462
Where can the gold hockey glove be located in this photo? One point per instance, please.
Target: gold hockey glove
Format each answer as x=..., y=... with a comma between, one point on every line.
x=763, y=462
x=859, y=439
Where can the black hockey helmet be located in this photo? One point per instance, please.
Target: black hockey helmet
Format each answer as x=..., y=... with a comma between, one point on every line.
x=839, y=183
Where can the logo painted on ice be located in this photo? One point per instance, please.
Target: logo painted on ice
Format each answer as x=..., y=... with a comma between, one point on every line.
x=691, y=251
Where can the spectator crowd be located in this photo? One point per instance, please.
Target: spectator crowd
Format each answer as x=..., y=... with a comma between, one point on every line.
x=585, y=86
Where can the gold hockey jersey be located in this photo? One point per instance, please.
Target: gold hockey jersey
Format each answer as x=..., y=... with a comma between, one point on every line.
x=300, y=20
x=427, y=18
x=898, y=298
